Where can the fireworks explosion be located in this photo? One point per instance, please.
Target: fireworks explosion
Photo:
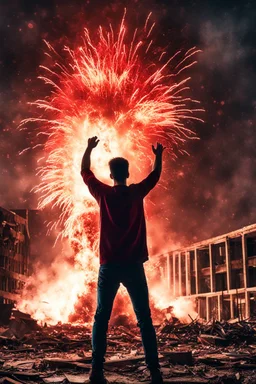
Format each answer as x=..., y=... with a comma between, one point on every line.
x=120, y=89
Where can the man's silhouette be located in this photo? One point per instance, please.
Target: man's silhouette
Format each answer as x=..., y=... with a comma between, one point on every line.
x=123, y=250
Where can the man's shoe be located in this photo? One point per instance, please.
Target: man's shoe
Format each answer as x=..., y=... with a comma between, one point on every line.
x=96, y=376
x=156, y=376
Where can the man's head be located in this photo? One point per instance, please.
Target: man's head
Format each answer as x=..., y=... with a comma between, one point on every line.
x=119, y=169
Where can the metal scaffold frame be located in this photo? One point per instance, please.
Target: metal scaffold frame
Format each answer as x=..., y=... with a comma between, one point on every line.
x=219, y=273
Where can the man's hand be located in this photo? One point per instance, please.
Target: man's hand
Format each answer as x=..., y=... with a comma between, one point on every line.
x=86, y=160
x=158, y=150
x=93, y=142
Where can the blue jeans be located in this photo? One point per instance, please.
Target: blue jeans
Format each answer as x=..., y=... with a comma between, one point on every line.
x=132, y=276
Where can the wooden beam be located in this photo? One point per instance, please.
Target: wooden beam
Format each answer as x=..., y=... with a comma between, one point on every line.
x=245, y=260
x=232, y=314
x=207, y=308
x=180, y=275
x=247, y=305
x=231, y=292
x=171, y=272
x=197, y=271
x=227, y=252
x=174, y=274
x=220, y=307
x=212, y=269
x=188, y=273
x=245, y=275
x=168, y=271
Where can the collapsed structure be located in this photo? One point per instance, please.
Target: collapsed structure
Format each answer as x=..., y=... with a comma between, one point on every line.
x=14, y=254
x=219, y=273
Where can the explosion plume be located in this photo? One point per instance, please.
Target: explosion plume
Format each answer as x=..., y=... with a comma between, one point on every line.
x=112, y=87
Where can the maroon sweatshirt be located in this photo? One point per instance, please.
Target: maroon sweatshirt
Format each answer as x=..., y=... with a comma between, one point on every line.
x=122, y=220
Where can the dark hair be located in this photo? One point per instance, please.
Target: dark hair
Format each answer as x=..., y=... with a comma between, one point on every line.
x=119, y=168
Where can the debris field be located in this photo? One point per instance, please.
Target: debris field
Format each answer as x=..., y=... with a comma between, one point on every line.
x=198, y=352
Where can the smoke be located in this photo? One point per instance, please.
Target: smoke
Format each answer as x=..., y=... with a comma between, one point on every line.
x=214, y=194
x=222, y=39
x=203, y=186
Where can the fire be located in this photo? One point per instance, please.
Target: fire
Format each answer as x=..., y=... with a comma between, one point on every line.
x=181, y=307
x=111, y=88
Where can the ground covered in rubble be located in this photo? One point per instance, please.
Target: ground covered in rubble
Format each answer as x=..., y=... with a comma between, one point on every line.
x=217, y=352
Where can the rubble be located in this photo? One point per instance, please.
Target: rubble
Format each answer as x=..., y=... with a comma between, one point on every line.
x=198, y=352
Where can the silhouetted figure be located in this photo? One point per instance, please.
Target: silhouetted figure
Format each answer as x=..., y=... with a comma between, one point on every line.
x=123, y=250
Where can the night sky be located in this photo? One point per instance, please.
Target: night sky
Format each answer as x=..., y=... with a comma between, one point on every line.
x=213, y=189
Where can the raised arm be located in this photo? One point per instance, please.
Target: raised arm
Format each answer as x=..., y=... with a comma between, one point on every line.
x=86, y=160
x=158, y=152
x=145, y=186
x=95, y=186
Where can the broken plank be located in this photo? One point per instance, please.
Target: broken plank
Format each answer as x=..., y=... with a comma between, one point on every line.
x=79, y=379
x=20, y=364
x=63, y=363
x=85, y=367
x=54, y=379
x=128, y=360
x=214, y=340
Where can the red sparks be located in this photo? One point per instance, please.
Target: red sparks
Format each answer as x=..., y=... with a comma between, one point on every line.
x=110, y=88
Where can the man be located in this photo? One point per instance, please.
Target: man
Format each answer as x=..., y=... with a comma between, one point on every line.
x=123, y=250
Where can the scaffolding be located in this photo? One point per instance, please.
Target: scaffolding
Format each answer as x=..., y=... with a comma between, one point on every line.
x=14, y=254
x=219, y=273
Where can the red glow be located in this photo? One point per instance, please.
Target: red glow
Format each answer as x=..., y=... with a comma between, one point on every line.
x=110, y=88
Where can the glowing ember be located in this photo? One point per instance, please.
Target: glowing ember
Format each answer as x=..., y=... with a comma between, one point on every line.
x=112, y=89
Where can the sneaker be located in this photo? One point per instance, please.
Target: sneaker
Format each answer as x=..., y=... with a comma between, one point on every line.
x=156, y=376
x=96, y=376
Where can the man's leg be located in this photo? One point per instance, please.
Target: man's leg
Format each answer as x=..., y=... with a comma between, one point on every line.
x=134, y=280
x=108, y=284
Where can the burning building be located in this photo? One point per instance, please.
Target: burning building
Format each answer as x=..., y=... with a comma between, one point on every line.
x=218, y=273
x=14, y=254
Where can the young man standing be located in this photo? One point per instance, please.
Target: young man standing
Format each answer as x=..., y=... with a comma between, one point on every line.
x=123, y=250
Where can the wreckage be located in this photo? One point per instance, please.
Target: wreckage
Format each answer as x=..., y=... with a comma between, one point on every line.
x=217, y=346
x=14, y=254
x=198, y=352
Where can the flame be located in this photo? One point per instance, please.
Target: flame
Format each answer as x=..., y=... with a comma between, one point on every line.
x=108, y=87
x=181, y=307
